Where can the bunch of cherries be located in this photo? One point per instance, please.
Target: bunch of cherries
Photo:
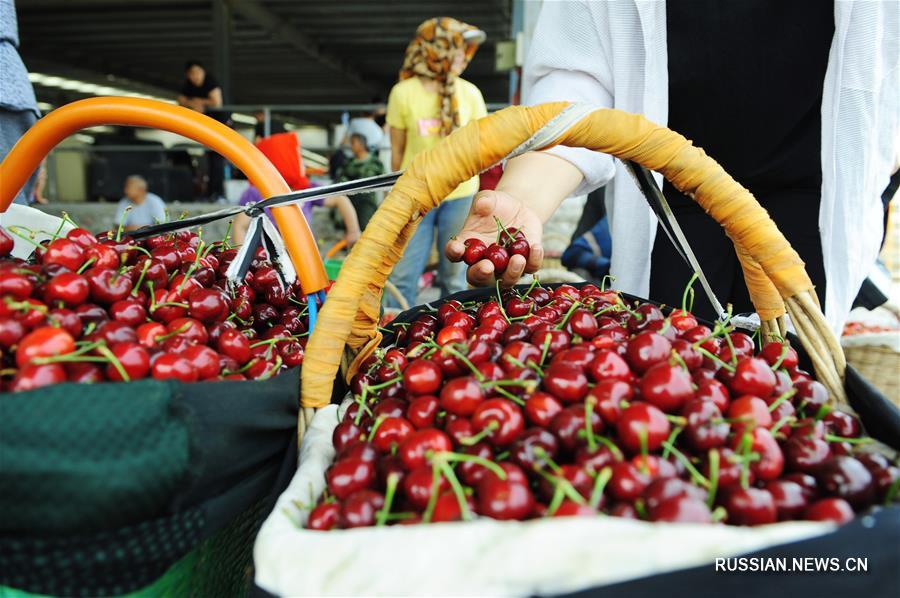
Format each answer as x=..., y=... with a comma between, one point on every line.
x=549, y=403
x=87, y=309
x=510, y=241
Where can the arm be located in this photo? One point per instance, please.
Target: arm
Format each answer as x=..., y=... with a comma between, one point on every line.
x=348, y=215
x=214, y=100
x=398, y=147
x=567, y=61
x=239, y=228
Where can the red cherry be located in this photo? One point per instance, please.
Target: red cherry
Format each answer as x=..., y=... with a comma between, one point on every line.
x=753, y=376
x=15, y=284
x=65, y=253
x=790, y=498
x=570, y=426
x=504, y=419
x=349, y=475
x=668, y=387
x=104, y=257
x=418, y=486
x=6, y=243
x=170, y=365
x=360, y=509
x=504, y=499
x=566, y=382
x=474, y=251
x=847, y=478
x=32, y=376
x=447, y=507
x=714, y=391
x=108, y=286
x=450, y=335
x=519, y=247
x=417, y=446
x=113, y=332
x=67, y=287
x=461, y=396
x=750, y=412
x=422, y=377
x=324, y=516
x=208, y=305
x=609, y=366
x=129, y=312
x=749, y=506
x=391, y=432
x=11, y=332
x=773, y=352
x=422, y=411
x=190, y=329
x=149, y=334
x=345, y=434
x=46, y=341
x=642, y=424
x=805, y=453
x=84, y=373
x=133, y=358
x=682, y=509
x=204, y=360
x=705, y=428
x=647, y=349
x=82, y=237
x=498, y=256
x=628, y=481
x=541, y=408
x=834, y=510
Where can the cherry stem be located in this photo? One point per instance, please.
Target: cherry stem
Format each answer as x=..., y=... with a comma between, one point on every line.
x=695, y=475
x=271, y=371
x=733, y=359
x=567, y=488
x=381, y=385
x=382, y=516
x=744, y=452
x=375, y=426
x=781, y=422
x=606, y=278
x=713, y=477
x=545, y=349
x=24, y=306
x=892, y=492
x=546, y=458
x=781, y=399
x=671, y=439
x=688, y=290
x=500, y=302
x=588, y=428
x=487, y=464
x=784, y=352
x=534, y=282
x=164, y=337
x=525, y=366
x=677, y=359
x=503, y=230
x=599, y=486
x=475, y=371
x=122, y=224
x=558, y=497
x=719, y=514
x=85, y=265
x=15, y=230
x=435, y=484
x=505, y=393
x=475, y=439
x=457, y=488
x=575, y=305
x=834, y=438
x=104, y=350
x=715, y=358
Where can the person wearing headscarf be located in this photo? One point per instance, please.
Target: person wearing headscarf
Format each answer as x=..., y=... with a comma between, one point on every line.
x=429, y=102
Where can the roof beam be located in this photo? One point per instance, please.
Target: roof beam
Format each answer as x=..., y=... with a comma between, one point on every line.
x=282, y=30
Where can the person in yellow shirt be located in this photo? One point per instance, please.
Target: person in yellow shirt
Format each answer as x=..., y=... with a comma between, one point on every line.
x=429, y=102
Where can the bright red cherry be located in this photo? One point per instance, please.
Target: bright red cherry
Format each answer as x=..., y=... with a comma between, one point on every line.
x=666, y=386
x=642, y=427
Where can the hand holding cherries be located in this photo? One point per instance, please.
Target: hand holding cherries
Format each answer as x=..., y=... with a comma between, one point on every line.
x=510, y=242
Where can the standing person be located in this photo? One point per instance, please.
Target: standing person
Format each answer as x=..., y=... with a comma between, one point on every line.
x=201, y=92
x=429, y=102
x=798, y=101
x=364, y=164
x=367, y=126
x=18, y=106
x=276, y=126
x=139, y=207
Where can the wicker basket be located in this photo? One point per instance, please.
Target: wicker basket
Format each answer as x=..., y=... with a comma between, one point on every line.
x=879, y=365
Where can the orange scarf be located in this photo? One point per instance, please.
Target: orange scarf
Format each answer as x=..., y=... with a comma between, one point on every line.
x=430, y=54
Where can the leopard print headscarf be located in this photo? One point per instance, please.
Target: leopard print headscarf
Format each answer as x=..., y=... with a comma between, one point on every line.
x=430, y=54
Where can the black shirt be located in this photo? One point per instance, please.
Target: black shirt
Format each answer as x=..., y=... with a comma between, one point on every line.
x=745, y=84
x=275, y=127
x=189, y=90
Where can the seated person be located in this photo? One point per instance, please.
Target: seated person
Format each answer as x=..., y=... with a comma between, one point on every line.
x=589, y=254
x=364, y=164
x=139, y=207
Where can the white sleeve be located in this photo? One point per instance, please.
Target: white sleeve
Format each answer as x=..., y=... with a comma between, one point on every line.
x=567, y=62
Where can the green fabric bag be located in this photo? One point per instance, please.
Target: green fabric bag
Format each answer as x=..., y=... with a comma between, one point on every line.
x=111, y=488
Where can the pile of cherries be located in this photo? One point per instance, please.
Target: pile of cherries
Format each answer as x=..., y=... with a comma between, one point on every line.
x=87, y=309
x=539, y=403
x=510, y=241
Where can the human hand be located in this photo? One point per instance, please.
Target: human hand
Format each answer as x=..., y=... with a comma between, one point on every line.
x=351, y=237
x=481, y=224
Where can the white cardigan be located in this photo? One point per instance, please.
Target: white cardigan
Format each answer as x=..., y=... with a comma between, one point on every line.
x=613, y=54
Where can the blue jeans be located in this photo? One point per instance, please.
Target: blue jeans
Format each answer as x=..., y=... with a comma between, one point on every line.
x=446, y=220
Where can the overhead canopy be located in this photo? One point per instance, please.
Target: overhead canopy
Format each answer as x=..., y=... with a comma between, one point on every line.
x=282, y=51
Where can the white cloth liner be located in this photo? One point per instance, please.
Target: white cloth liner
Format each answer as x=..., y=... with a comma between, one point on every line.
x=479, y=558
x=44, y=226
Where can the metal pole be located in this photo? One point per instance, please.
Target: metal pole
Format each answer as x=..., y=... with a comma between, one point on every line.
x=221, y=21
x=267, y=121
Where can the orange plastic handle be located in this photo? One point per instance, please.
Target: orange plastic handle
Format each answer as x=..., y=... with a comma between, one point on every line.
x=335, y=248
x=34, y=145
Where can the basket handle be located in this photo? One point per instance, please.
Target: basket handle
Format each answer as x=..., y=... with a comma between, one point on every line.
x=348, y=323
x=336, y=248
x=35, y=144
